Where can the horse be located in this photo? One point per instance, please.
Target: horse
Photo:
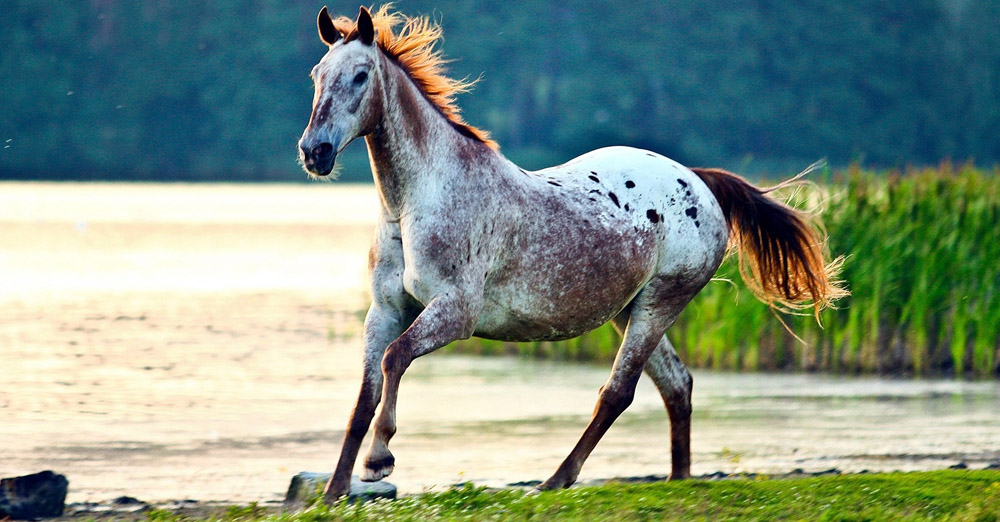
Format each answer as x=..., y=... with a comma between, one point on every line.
x=469, y=244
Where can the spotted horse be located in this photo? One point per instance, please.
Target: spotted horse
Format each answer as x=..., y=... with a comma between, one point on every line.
x=469, y=244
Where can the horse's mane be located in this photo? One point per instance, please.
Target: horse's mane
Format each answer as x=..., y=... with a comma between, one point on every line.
x=413, y=49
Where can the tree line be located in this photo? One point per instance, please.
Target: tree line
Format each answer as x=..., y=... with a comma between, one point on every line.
x=153, y=90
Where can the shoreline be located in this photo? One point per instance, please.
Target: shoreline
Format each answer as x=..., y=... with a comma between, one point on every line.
x=131, y=509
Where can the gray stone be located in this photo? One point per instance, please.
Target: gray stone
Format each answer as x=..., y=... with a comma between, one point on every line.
x=306, y=486
x=33, y=496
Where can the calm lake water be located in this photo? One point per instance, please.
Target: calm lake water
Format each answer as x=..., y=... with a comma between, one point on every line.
x=200, y=341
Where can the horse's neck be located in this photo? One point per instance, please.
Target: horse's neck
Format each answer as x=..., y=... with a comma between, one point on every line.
x=414, y=149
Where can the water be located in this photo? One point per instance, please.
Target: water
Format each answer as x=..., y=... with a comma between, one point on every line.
x=200, y=341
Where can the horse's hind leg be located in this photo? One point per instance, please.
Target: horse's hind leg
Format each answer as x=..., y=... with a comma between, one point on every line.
x=674, y=382
x=646, y=326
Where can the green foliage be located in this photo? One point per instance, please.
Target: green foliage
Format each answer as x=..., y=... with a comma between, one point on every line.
x=138, y=90
x=922, y=249
x=944, y=495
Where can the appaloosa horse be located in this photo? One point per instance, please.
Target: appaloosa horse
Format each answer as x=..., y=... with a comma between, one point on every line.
x=468, y=244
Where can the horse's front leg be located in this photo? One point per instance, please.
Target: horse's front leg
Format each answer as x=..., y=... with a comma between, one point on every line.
x=445, y=319
x=383, y=324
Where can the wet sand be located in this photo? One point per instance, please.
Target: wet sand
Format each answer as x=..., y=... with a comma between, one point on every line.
x=176, y=341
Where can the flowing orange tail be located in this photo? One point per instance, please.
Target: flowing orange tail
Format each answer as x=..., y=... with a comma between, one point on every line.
x=781, y=254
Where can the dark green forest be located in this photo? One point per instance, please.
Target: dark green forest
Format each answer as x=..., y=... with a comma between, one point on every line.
x=170, y=90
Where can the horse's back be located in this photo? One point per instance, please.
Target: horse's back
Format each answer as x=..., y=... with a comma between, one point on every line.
x=660, y=194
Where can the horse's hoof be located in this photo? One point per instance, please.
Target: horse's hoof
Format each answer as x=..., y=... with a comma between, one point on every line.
x=335, y=493
x=376, y=474
x=331, y=498
x=378, y=468
x=554, y=483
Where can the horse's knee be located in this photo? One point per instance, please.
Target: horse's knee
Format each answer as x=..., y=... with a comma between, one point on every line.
x=397, y=358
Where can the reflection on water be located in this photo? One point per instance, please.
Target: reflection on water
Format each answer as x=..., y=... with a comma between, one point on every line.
x=200, y=342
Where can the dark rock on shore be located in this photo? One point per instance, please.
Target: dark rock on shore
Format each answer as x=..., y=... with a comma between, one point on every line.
x=41, y=495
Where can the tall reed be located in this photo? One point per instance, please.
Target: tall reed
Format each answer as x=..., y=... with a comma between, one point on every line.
x=923, y=270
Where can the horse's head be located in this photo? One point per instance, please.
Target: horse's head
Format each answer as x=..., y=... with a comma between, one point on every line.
x=345, y=84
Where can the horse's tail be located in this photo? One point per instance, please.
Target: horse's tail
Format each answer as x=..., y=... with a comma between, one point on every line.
x=782, y=255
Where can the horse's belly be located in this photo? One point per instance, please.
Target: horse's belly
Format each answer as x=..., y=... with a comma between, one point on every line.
x=501, y=323
x=564, y=292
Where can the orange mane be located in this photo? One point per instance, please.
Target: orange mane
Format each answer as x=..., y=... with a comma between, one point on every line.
x=413, y=49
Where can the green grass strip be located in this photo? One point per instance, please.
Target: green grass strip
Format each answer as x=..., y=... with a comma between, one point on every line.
x=938, y=495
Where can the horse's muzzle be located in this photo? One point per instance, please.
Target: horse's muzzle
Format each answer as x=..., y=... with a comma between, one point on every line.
x=318, y=159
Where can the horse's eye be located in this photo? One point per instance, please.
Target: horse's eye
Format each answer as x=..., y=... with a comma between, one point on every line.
x=360, y=78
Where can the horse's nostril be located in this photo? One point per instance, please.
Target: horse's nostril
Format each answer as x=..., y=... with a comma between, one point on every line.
x=322, y=150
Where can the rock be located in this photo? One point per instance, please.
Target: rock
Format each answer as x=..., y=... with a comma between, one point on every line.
x=129, y=505
x=305, y=486
x=525, y=484
x=960, y=465
x=33, y=496
x=640, y=480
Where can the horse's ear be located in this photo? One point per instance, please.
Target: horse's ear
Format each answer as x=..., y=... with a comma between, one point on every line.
x=366, y=28
x=327, y=32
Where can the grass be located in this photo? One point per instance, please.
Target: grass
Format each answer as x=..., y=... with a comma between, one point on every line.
x=939, y=495
x=923, y=266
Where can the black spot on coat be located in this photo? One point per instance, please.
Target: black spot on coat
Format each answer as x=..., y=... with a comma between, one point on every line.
x=692, y=212
x=614, y=199
x=652, y=216
x=682, y=182
x=629, y=184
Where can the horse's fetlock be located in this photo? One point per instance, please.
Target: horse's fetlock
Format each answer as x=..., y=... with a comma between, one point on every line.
x=386, y=429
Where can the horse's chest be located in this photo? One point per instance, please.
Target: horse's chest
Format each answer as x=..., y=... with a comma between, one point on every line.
x=438, y=262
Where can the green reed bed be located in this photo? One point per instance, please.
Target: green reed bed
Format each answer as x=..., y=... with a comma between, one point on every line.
x=923, y=266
